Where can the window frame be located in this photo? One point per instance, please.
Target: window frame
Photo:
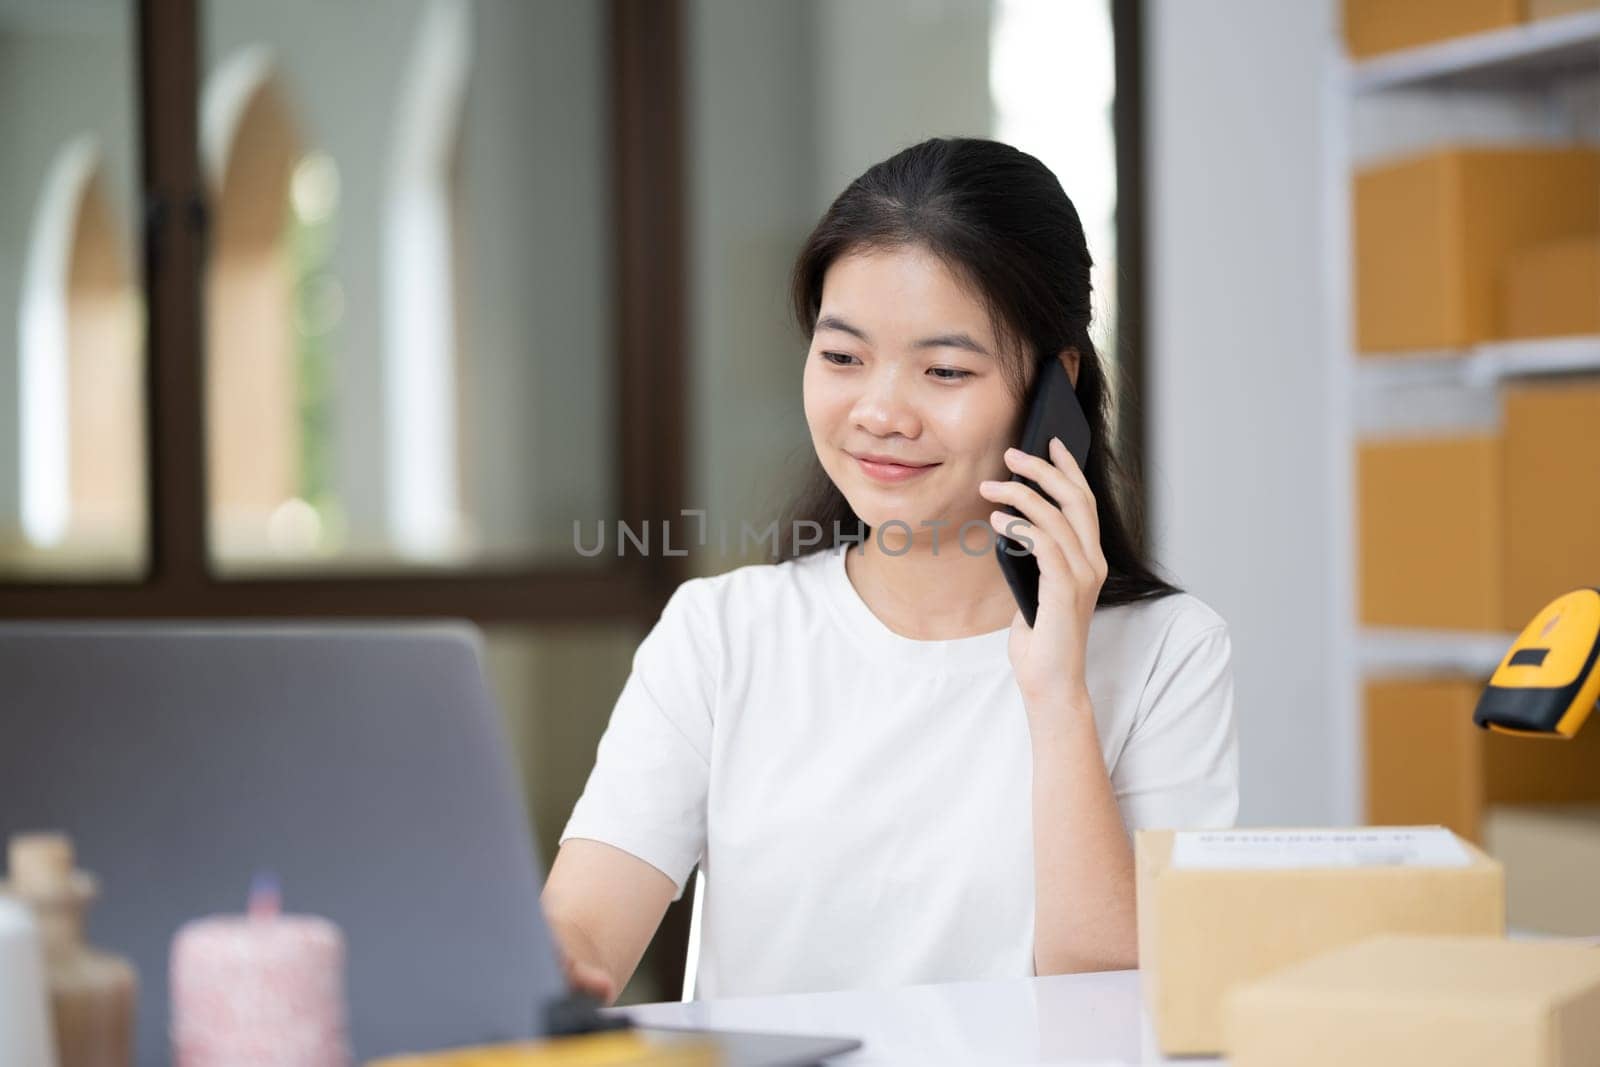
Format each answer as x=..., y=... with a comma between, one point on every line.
x=645, y=86
x=1128, y=129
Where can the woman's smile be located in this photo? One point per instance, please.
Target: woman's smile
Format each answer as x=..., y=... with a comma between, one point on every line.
x=889, y=470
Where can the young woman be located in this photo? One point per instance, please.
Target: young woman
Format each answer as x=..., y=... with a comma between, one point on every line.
x=884, y=774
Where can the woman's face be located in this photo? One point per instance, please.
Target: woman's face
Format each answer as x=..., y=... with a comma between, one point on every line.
x=904, y=368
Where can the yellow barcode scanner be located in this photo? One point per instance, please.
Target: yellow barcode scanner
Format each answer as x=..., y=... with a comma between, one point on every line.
x=1549, y=681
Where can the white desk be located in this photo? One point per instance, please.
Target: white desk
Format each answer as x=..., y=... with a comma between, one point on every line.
x=1076, y=1018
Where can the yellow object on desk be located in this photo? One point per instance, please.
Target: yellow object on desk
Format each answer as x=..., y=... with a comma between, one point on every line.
x=616, y=1048
x=1550, y=680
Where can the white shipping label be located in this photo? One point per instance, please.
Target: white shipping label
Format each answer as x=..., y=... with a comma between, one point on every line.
x=1400, y=846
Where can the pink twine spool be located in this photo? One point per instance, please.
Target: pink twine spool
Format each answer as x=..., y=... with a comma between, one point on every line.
x=259, y=990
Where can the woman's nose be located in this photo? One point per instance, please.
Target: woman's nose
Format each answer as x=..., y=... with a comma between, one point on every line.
x=884, y=408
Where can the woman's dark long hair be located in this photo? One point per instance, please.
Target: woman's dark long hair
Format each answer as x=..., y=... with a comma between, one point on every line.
x=999, y=219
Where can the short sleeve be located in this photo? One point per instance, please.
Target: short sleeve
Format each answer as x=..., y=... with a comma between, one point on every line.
x=647, y=792
x=1180, y=766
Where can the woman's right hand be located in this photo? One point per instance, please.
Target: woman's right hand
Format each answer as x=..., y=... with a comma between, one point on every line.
x=603, y=905
x=587, y=978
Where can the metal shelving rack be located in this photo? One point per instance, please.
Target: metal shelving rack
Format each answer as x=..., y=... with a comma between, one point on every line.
x=1532, y=54
x=1545, y=74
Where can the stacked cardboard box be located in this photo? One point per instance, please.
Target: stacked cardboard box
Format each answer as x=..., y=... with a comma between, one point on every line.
x=1397, y=1001
x=1431, y=540
x=1220, y=908
x=1551, y=479
x=1480, y=532
x=1551, y=853
x=1553, y=289
x=1554, y=9
x=1434, y=234
x=1428, y=762
x=1372, y=27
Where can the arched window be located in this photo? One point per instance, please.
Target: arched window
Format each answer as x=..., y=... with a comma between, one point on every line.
x=81, y=390
x=251, y=148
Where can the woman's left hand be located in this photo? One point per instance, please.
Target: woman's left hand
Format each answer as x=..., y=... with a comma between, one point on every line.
x=1048, y=657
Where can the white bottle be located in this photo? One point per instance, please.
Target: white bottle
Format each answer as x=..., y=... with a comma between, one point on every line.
x=25, y=1036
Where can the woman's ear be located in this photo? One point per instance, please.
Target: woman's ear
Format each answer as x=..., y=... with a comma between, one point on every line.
x=1069, y=361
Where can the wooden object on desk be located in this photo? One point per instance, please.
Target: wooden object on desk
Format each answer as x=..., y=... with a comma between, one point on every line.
x=1427, y=762
x=617, y=1048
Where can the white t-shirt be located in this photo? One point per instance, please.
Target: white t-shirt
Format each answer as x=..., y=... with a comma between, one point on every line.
x=859, y=802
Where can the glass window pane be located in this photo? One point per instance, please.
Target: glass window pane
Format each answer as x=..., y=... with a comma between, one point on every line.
x=409, y=298
x=1052, y=78
x=73, y=494
x=787, y=103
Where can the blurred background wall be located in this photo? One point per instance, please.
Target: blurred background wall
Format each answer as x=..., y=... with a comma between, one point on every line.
x=1239, y=481
x=789, y=102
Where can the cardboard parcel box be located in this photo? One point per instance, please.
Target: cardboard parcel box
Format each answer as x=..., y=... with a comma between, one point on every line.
x=1397, y=1001
x=1431, y=538
x=1554, y=9
x=1217, y=908
x=1372, y=27
x=1550, y=489
x=1434, y=234
x=1552, y=289
x=1551, y=854
x=1428, y=762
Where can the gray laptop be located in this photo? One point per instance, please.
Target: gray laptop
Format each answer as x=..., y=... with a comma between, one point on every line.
x=365, y=765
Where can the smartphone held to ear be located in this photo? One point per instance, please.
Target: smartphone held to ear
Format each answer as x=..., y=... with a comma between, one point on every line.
x=1053, y=411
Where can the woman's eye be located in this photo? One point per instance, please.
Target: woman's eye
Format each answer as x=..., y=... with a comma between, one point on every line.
x=949, y=374
x=838, y=359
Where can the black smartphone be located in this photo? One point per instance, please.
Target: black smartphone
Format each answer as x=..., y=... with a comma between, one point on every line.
x=1053, y=411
